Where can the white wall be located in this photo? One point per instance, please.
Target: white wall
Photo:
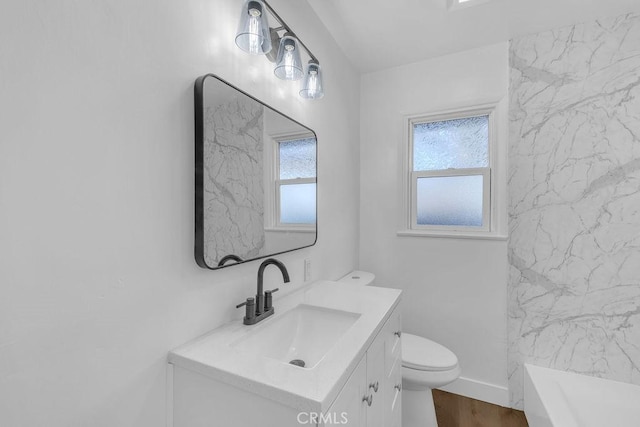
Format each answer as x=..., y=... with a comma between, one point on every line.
x=455, y=289
x=97, y=276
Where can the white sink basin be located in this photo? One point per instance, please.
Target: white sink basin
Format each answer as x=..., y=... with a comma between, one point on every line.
x=327, y=324
x=305, y=333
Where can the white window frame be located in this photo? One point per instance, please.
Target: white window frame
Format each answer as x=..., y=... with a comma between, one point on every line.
x=272, y=195
x=494, y=221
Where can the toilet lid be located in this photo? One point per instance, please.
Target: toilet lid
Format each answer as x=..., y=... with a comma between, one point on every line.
x=426, y=355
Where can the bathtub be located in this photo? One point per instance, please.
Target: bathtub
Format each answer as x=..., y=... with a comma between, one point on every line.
x=563, y=399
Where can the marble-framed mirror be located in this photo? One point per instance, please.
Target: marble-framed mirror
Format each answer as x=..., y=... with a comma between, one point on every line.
x=255, y=178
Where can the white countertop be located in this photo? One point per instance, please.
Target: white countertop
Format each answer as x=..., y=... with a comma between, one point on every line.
x=302, y=389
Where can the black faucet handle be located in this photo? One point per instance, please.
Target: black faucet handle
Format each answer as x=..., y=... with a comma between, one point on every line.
x=250, y=312
x=249, y=301
x=268, y=299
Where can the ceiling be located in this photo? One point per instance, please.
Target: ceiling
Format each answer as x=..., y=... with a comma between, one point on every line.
x=377, y=34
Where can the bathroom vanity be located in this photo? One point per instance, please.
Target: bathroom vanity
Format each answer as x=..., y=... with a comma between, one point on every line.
x=330, y=355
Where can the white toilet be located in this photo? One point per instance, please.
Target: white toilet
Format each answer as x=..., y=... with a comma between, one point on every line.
x=425, y=365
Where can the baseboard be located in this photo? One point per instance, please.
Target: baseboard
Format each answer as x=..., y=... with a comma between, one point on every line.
x=479, y=390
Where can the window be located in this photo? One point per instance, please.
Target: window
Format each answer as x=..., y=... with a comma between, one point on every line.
x=295, y=183
x=449, y=177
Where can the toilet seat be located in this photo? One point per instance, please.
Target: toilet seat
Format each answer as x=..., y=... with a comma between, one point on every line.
x=415, y=379
x=422, y=354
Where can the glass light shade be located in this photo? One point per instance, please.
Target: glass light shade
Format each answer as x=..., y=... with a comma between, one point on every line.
x=312, y=84
x=288, y=63
x=253, y=30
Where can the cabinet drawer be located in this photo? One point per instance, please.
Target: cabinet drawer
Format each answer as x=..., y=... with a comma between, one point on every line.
x=392, y=332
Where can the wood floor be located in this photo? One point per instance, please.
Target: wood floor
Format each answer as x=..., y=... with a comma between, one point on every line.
x=459, y=411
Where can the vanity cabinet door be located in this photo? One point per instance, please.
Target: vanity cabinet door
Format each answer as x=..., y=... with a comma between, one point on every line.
x=376, y=383
x=393, y=396
x=349, y=409
x=393, y=370
x=392, y=333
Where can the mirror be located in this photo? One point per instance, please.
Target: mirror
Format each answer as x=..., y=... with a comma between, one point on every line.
x=255, y=176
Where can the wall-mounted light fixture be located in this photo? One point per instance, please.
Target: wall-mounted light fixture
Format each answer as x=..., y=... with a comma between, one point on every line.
x=253, y=30
x=288, y=62
x=312, y=85
x=257, y=38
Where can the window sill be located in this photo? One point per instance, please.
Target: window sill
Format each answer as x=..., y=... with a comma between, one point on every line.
x=291, y=229
x=452, y=235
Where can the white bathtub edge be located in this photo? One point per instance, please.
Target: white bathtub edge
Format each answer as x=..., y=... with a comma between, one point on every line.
x=534, y=409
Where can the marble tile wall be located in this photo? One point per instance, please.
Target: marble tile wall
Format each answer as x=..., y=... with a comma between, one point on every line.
x=574, y=195
x=233, y=179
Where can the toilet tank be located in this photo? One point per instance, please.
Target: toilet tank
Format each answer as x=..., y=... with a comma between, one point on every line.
x=359, y=278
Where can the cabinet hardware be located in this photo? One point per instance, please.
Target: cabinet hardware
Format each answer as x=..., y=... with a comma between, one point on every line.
x=374, y=386
x=398, y=333
x=368, y=399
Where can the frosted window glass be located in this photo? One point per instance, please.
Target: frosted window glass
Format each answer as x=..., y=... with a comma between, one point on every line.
x=298, y=204
x=460, y=143
x=450, y=200
x=298, y=158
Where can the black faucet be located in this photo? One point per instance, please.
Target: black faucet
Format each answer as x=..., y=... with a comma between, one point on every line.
x=262, y=306
x=230, y=257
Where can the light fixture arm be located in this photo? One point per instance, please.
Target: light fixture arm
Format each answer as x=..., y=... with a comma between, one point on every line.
x=284, y=26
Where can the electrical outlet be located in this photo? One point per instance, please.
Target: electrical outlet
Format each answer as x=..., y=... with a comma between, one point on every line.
x=307, y=270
